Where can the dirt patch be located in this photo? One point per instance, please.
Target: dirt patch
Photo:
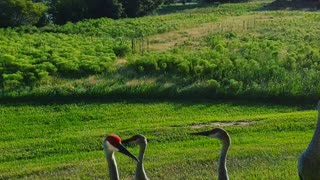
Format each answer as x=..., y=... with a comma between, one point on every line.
x=121, y=61
x=165, y=41
x=137, y=82
x=223, y=124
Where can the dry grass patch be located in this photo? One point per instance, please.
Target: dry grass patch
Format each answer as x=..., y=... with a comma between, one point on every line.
x=165, y=41
x=223, y=124
x=191, y=36
x=137, y=82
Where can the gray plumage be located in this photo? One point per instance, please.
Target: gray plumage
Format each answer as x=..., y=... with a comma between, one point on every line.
x=224, y=137
x=142, y=142
x=112, y=144
x=309, y=161
x=112, y=165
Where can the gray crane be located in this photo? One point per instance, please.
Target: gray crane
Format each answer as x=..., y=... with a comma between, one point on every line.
x=142, y=142
x=224, y=137
x=112, y=144
x=309, y=161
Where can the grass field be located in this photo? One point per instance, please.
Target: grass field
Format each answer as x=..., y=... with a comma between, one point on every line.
x=64, y=141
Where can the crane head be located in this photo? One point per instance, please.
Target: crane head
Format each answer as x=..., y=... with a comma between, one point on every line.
x=218, y=133
x=113, y=144
x=138, y=139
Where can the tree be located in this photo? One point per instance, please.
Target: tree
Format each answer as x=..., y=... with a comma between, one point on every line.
x=140, y=7
x=76, y=10
x=169, y=2
x=63, y=11
x=68, y=10
x=105, y=8
x=222, y=1
x=20, y=12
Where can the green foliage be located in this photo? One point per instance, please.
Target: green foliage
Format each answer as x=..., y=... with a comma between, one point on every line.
x=149, y=25
x=121, y=49
x=273, y=56
x=88, y=47
x=11, y=81
x=213, y=84
x=41, y=56
x=68, y=10
x=273, y=63
x=20, y=12
x=75, y=10
x=140, y=7
x=105, y=8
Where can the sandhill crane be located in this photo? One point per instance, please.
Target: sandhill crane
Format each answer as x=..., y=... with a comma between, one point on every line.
x=224, y=137
x=142, y=142
x=309, y=161
x=112, y=144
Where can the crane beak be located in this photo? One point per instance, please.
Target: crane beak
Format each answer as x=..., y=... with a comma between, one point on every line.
x=127, y=141
x=124, y=151
x=204, y=133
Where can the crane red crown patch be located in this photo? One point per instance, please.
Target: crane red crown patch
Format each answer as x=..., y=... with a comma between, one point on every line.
x=114, y=139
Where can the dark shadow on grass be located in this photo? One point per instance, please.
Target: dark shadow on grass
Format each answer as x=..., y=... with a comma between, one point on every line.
x=301, y=103
x=306, y=5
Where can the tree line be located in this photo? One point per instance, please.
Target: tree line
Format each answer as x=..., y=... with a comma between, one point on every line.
x=41, y=12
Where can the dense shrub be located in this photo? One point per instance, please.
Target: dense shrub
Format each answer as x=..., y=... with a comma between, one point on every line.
x=246, y=65
x=38, y=57
x=274, y=58
x=20, y=12
x=121, y=50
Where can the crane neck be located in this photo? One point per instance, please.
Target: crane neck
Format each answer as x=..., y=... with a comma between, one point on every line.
x=223, y=173
x=142, y=150
x=140, y=172
x=314, y=146
x=112, y=164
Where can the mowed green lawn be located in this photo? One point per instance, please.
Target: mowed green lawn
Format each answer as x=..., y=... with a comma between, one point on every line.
x=64, y=141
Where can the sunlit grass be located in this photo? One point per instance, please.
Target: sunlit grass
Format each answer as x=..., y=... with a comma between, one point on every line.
x=57, y=141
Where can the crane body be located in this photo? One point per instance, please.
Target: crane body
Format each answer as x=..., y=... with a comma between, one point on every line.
x=309, y=160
